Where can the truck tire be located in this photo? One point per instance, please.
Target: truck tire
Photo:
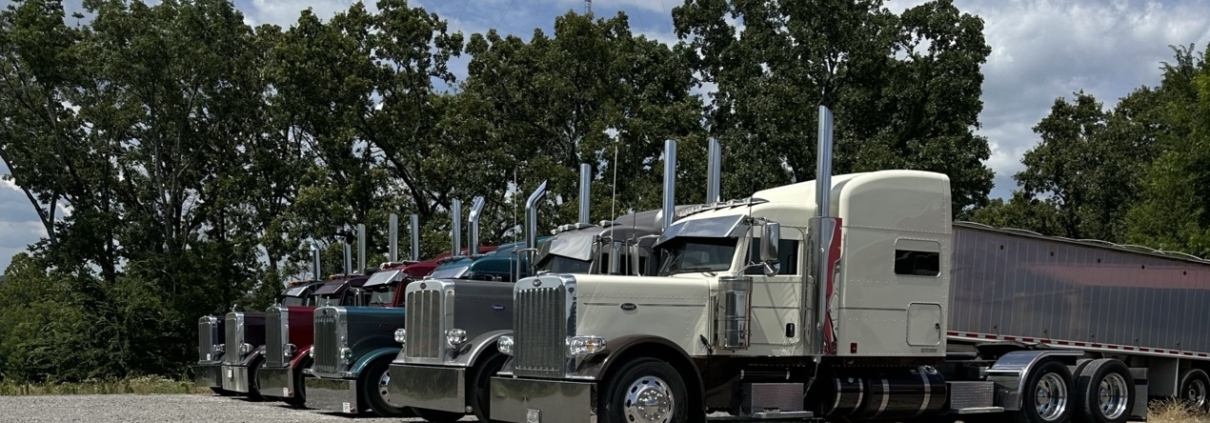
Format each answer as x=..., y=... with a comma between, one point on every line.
x=651, y=380
x=222, y=392
x=1045, y=398
x=1104, y=392
x=253, y=384
x=481, y=385
x=300, y=386
x=1195, y=386
x=373, y=381
x=434, y=416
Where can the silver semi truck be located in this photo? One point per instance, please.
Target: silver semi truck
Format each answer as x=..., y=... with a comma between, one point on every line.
x=874, y=307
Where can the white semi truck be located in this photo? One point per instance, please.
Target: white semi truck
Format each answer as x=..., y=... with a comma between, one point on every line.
x=875, y=307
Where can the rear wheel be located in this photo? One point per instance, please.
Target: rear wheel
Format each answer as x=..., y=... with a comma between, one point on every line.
x=646, y=390
x=1194, y=387
x=1046, y=395
x=1104, y=392
x=482, y=379
x=374, y=381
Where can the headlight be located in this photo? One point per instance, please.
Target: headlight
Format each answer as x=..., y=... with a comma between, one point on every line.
x=217, y=348
x=505, y=345
x=455, y=337
x=347, y=354
x=401, y=336
x=245, y=348
x=584, y=345
x=289, y=350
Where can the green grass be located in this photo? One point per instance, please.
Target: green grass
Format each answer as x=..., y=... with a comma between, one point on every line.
x=139, y=385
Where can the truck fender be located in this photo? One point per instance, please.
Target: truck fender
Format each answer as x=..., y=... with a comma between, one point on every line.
x=600, y=365
x=302, y=354
x=365, y=361
x=481, y=343
x=252, y=356
x=1012, y=370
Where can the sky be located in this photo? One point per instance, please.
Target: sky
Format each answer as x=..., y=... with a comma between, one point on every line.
x=1041, y=50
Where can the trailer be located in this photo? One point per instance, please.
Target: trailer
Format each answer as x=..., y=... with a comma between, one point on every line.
x=867, y=304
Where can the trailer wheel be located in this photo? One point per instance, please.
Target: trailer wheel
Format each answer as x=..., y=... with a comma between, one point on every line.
x=1104, y=392
x=1045, y=398
x=481, y=398
x=645, y=390
x=374, y=380
x=1194, y=387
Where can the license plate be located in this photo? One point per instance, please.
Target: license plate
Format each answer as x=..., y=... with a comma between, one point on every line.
x=285, y=392
x=346, y=408
x=533, y=416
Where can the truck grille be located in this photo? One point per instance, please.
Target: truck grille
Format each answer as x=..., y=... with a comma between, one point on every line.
x=235, y=338
x=540, y=329
x=423, y=323
x=327, y=340
x=276, y=336
x=207, y=337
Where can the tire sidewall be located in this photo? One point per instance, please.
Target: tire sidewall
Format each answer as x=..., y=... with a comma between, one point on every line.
x=613, y=407
x=483, y=373
x=1029, y=410
x=1191, y=375
x=1087, y=392
x=369, y=386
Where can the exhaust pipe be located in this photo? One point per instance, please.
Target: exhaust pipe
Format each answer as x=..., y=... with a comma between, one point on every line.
x=476, y=209
x=824, y=227
x=415, y=238
x=585, y=191
x=361, y=248
x=315, y=261
x=669, y=182
x=531, y=227
x=348, y=256
x=456, y=234
x=394, y=230
x=713, y=172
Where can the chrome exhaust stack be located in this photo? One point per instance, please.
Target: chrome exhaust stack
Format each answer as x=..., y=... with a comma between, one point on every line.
x=531, y=228
x=585, y=191
x=456, y=232
x=825, y=230
x=315, y=261
x=415, y=238
x=669, y=183
x=361, y=248
x=473, y=219
x=714, y=172
x=394, y=235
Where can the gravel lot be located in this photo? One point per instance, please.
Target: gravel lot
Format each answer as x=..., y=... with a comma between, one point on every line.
x=157, y=409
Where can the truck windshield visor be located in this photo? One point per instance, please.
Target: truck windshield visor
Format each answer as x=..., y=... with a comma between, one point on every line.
x=730, y=226
x=691, y=255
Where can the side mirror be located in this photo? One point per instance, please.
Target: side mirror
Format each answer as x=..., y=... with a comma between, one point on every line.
x=769, y=240
x=358, y=297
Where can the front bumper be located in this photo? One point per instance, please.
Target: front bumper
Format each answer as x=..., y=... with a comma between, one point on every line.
x=235, y=379
x=543, y=401
x=208, y=375
x=276, y=382
x=333, y=395
x=428, y=387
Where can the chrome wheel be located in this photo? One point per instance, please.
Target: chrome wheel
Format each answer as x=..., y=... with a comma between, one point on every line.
x=649, y=400
x=1195, y=394
x=383, y=381
x=1112, y=396
x=1050, y=398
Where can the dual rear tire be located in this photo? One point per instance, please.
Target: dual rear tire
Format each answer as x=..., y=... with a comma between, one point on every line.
x=1101, y=391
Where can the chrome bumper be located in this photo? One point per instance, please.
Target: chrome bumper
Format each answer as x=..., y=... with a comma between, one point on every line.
x=333, y=395
x=543, y=401
x=428, y=387
x=276, y=382
x=235, y=379
x=208, y=375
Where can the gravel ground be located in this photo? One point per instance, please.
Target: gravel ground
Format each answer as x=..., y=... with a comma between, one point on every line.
x=158, y=409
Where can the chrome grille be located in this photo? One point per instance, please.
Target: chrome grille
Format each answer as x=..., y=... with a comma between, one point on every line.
x=423, y=323
x=207, y=337
x=276, y=336
x=540, y=330
x=235, y=337
x=327, y=340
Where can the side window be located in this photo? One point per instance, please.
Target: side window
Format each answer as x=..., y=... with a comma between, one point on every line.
x=787, y=256
x=917, y=257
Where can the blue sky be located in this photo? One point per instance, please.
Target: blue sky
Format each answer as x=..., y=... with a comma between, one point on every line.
x=1040, y=50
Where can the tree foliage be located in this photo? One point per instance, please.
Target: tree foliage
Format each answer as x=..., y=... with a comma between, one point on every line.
x=182, y=161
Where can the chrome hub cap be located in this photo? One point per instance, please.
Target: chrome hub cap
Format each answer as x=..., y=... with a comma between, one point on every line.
x=383, y=381
x=1196, y=394
x=649, y=400
x=1112, y=396
x=1050, y=398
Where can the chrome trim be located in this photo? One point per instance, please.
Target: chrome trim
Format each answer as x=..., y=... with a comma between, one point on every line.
x=330, y=329
x=234, y=322
x=544, y=315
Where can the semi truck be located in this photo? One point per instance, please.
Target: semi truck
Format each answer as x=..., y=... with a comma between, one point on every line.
x=867, y=304
x=449, y=347
x=353, y=345
x=289, y=331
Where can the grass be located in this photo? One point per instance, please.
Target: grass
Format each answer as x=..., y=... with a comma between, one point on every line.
x=1174, y=412
x=139, y=385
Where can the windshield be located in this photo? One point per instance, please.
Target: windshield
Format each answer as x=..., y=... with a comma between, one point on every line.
x=295, y=301
x=560, y=264
x=686, y=255
x=381, y=295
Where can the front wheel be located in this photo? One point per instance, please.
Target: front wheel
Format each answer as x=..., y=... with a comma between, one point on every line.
x=253, y=383
x=374, y=380
x=645, y=390
x=299, y=400
x=482, y=385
